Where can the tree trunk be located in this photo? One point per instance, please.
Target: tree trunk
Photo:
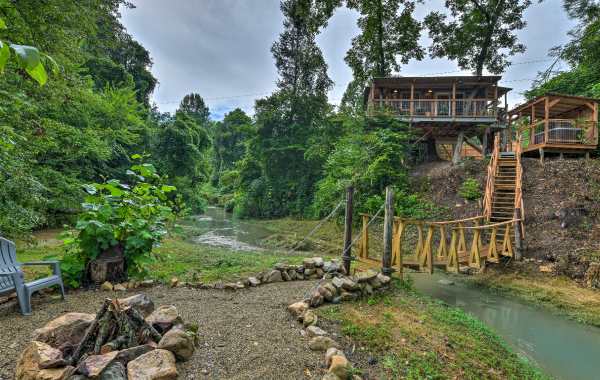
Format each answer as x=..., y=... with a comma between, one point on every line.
x=458, y=148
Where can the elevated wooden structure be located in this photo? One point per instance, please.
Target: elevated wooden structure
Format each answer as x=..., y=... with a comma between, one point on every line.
x=470, y=242
x=446, y=112
x=556, y=123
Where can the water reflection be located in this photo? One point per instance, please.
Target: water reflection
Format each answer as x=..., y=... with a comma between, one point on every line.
x=562, y=348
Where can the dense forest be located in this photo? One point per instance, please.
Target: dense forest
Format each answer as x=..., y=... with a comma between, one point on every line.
x=293, y=156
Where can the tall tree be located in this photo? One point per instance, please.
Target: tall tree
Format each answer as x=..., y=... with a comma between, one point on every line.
x=230, y=135
x=193, y=105
x=389, y=36
x=286, y=120
x=479, y=33
x=582, y=53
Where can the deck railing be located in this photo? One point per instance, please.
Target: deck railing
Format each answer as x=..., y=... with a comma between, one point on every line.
x=448, y=244
x=559, y=131
x=437, y=107
x=491, y=178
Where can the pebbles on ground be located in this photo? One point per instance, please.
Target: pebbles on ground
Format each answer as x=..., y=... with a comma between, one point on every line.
x=246, y=334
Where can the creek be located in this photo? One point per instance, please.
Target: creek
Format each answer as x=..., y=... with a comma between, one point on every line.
x=562, y=348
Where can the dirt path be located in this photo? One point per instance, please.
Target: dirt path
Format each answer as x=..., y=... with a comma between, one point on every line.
x=246, y=334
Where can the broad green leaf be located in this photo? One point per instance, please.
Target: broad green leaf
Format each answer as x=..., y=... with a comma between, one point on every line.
x=53, y=65
x=4, y=55
x=39, y=74
x=136, y=156
x=29, y=59
x=2, y=24
x=168, y=188
x=27, y=56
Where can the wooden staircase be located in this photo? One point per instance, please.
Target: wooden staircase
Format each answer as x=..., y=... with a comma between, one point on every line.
x=503, y=195
x=503, y=192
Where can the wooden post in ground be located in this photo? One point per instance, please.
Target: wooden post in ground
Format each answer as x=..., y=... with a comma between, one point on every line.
x=347, y=253
x=518, y=235
x=484, y=142
x=388, y=228
x=458, y=148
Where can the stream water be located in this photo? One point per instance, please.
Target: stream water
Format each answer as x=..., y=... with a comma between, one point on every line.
x=564, y=349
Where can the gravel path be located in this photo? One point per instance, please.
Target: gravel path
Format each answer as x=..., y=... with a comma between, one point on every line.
x=246, y=334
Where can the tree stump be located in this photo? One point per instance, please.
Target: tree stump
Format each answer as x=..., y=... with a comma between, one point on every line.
x=109, y=266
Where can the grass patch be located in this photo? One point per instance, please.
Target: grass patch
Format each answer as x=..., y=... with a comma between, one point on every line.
x=176, y=257
x=560, y=294
x=420, y=338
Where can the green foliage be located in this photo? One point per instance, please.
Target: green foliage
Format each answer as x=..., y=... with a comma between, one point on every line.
x=470, y=189
x=121, y=217
x=479, y=34
x=582, y=53
x=389, y=35
x=370, y=157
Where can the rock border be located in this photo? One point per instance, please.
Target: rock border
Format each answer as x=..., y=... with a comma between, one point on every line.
x=338, y=289
x=313, y=268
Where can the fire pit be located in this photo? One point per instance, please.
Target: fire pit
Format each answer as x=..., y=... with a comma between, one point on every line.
x=126, y=340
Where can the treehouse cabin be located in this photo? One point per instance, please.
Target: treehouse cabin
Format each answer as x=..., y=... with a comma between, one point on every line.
x=556, y=123
x=445, y=111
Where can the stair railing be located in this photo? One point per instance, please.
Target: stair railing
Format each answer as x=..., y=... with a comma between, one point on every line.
x=519, y=205
x=491, y=179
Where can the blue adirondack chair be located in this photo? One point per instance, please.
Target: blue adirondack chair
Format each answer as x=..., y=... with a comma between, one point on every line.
x=11, y=276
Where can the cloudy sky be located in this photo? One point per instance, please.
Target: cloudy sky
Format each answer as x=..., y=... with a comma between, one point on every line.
x=221, y=48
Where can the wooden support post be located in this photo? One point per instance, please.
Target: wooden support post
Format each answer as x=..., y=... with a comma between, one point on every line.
x=454, y=99
x=388, y=225
x=542, y=155
x=412, y=100
x=458, y=148
x=518, y=235
x=546, y=120
x=347, y=254
x=484, y=142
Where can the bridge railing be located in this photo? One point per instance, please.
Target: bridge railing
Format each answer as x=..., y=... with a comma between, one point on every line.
x=446, y=244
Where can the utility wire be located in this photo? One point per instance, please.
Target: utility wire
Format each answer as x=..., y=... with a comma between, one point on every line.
x=343, y=85
x=295, y=247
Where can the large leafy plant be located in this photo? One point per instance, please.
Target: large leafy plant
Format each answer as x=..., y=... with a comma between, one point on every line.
x=128, y=217
x=28, y=58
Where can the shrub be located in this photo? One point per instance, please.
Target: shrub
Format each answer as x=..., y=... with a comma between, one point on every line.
x=126, y=217
x=470, y=189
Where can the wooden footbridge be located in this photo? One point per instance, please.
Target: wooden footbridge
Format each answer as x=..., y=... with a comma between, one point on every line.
x=456, y=244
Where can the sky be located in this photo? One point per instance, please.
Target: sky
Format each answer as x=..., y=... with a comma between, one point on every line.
x=221, y=49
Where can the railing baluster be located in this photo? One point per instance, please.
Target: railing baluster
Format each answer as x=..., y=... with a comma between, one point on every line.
x=475, y=255
x=453, y=265
x=442, y=249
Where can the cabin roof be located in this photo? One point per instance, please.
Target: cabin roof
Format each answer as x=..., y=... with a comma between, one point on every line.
x=437, y=82
x=461, y=79
x=568, y=102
